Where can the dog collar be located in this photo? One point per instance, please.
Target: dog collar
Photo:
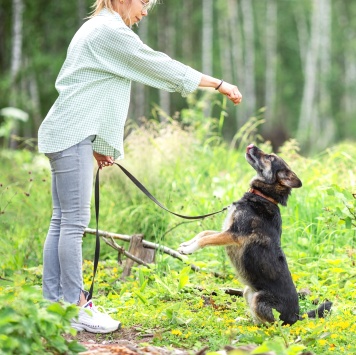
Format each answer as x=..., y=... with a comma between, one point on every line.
x=259, y=193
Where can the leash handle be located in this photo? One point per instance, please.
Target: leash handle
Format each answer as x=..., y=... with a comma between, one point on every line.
x=149, y=195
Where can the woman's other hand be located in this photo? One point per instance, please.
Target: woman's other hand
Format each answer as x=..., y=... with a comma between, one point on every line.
x=231, y=91
x=103, y=160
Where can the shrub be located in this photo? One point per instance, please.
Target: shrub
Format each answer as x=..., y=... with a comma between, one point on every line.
x=31, y=325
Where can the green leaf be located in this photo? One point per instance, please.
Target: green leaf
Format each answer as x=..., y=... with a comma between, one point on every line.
x=76, y=347
x=141, y=297
x=143, y=285
x=348, y=222
x=183, y=277
x=56, y=308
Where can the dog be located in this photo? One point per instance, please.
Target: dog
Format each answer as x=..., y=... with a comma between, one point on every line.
x=252, y=236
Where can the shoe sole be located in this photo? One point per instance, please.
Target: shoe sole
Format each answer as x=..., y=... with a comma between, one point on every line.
x=81, y=327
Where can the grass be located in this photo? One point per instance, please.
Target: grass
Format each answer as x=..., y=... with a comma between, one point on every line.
x=194, y=172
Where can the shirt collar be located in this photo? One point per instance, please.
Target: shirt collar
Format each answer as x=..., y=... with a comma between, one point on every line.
x=105, y=12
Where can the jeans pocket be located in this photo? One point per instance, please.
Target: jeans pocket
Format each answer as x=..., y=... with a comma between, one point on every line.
x=54, y=156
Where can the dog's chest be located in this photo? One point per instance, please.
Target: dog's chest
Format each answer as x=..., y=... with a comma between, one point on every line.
x=244, y=219
x=229, y=218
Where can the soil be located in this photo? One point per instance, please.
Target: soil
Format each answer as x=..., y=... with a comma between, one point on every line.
x=128, y=342
x=124, y=342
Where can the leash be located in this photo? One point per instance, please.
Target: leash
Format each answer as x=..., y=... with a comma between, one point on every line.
x=149, y=195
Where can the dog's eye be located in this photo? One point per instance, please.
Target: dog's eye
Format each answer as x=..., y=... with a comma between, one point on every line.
x=270, y=157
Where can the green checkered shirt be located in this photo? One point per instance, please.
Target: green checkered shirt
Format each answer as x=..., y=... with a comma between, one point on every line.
x=94, y=85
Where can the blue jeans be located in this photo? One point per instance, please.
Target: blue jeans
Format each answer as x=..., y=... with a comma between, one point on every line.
x=72, y=179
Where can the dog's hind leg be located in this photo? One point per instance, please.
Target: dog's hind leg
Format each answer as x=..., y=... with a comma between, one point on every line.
x=206, y=238
x=261, y=309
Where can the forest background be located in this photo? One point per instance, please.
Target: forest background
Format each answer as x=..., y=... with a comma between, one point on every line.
x=295, y=64
x=294, y=58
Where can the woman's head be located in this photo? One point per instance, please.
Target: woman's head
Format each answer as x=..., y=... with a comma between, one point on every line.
x=131, y=11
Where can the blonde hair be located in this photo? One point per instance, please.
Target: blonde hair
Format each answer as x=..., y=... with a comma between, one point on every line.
x=101, y=4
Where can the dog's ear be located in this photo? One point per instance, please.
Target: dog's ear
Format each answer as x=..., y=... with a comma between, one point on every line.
x=289, y=178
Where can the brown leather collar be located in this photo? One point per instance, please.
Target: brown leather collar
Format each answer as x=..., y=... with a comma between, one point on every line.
x=259, y=193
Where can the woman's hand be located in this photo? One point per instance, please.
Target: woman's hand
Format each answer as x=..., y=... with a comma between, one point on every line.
x=103, y=160
x=231, y=91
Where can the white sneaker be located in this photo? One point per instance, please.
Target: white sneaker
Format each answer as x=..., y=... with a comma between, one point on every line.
x=91, y=320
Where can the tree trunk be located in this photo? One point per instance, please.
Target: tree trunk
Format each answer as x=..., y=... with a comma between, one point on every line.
x=16, y=57
x=308, y=112
x=35, y=100
x=326, y=124
x=249, y=65
x=303, y=35
x=138, y=250
x=348, y=100
x=187, y=40
x=237, y=55
x=207, y=45
x=316, y=127
x=166, y=44
x=271, y=63
x=224, y=43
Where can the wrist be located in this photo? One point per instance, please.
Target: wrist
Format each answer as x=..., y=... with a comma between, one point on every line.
x=219, y=85
x=209, y=81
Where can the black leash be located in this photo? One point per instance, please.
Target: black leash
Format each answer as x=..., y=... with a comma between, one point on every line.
x=149, y=195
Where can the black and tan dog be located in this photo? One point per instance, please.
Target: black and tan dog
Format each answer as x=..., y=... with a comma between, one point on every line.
x=252, y=235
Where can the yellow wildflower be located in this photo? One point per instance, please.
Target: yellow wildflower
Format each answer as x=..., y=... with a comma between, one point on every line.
x=176, y=332
x=187, y=335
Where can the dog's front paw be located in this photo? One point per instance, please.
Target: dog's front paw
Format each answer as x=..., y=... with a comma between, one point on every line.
x=188, y=248
x=185, y=244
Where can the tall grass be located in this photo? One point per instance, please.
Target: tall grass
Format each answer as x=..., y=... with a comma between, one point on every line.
x=189, y=175
x=191, y=170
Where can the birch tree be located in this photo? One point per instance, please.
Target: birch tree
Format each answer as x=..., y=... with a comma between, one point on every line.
x=315, y=121
x=16, y=55
x=249, y=62
x=225, y=45
x=326, y=124
x=166, y=43
x=237, y=58
x=207, y=43
x=306, y=126
x=271, y=62
x=187, y=40
x=348, y=103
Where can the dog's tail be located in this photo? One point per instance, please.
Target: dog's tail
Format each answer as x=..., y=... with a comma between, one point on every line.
x=320, y=312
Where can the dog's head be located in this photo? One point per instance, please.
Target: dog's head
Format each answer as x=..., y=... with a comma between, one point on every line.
x=273, y=173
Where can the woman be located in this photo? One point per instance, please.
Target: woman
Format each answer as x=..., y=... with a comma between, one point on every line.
x=88, y=119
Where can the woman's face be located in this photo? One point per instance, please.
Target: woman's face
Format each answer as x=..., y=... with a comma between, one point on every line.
x=132, y=11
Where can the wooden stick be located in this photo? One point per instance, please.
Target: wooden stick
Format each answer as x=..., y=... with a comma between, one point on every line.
x=119, y=248
x=146, y=244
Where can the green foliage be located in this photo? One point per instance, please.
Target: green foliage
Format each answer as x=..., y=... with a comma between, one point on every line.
x=30, y=325
x=193, y=176
x=345, y=213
